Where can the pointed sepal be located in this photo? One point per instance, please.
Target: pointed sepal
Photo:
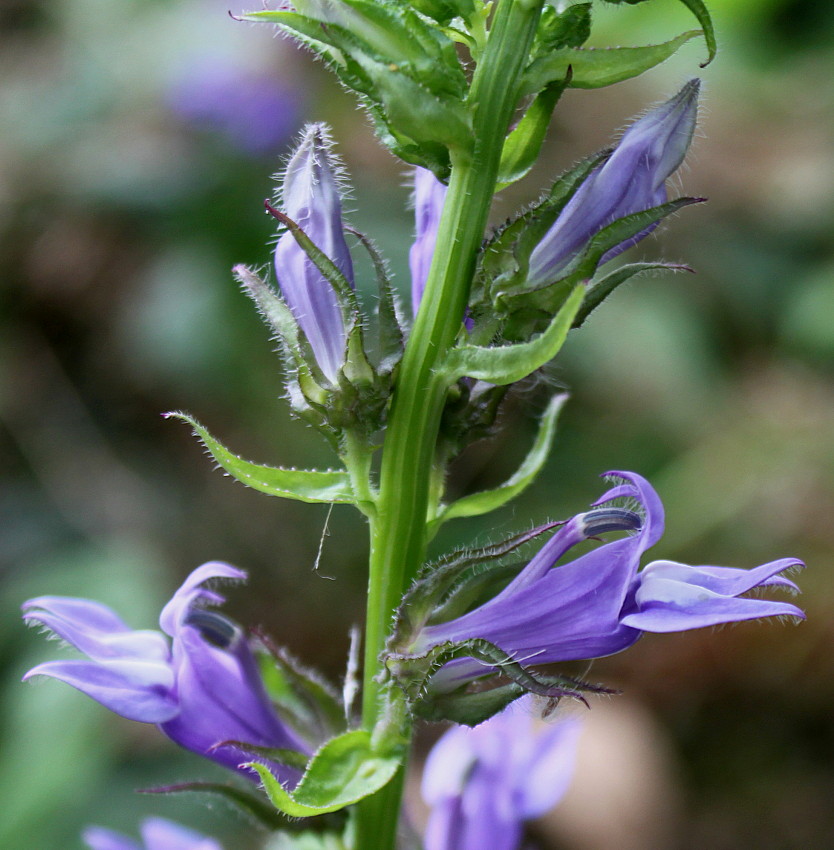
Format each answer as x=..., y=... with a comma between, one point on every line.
x=301, y=694
x=487, y=501
x=602, y=288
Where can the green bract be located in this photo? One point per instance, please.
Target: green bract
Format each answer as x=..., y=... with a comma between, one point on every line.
x=343, y=771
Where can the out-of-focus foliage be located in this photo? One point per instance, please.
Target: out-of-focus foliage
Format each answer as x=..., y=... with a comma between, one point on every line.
x=135, y=155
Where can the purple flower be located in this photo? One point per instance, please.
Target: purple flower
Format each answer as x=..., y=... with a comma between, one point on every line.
x=599, y=603
x=310, y=197
x=482, y=783
x=202, y=690
x=157, y=834
x=631, y=180
x=429, y=195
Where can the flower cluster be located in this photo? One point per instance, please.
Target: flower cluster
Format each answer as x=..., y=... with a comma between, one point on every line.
x=203, y=689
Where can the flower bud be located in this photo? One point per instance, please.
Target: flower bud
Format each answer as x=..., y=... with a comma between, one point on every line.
x=310, y=196
x=631, y=180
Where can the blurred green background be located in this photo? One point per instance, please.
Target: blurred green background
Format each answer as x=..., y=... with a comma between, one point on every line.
x=138, y=142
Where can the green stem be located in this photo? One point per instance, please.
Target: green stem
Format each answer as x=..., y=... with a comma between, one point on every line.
x=398, y=531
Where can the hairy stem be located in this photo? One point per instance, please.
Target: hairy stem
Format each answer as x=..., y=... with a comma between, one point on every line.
x=398, y=532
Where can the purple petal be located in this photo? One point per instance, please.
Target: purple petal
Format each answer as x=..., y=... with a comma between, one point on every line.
x=99, y=838
x=137, y=690
x=448, y=765
x=222, y=698
x=160, y=834
x=429, y=197
x=94, y=614
x=727, y=581
x=630, y=181
x=672, y=597
x=551, y=770
x=191, y=593
x=311, y=198
x=94, y=629
x=705, y=610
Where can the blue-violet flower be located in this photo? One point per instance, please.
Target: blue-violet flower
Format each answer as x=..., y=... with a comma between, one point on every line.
x=482, y=783
x=310, y=196
x=157, y=834
x=203, y=690
x=600, y=603
x=633, y=179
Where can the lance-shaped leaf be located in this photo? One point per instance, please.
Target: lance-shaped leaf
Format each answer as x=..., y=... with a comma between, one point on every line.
x=304, y=485
x=595, y=67
x=486, y=501
x=521, y=149
x=343, y=771
x=604, y=287
x=699, y=9
x=509, y=363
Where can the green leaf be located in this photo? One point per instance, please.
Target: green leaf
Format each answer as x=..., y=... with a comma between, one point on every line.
x=509, y=363
x=305, y=485
x=521, y=149
x=597, y=67
x=490, y=500
x=343, y=771
x=603, y=288
x=413, y=110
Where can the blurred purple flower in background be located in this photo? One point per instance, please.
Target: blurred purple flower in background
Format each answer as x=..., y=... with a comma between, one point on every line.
x=201, y=691
x=157, y=834
x=254, y=111
x=599, y=604
x=310, y=195
x=632, y=179
x=429, y=195
x=482, y=783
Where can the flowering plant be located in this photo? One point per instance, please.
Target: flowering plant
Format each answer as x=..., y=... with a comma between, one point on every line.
x=463, y=92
